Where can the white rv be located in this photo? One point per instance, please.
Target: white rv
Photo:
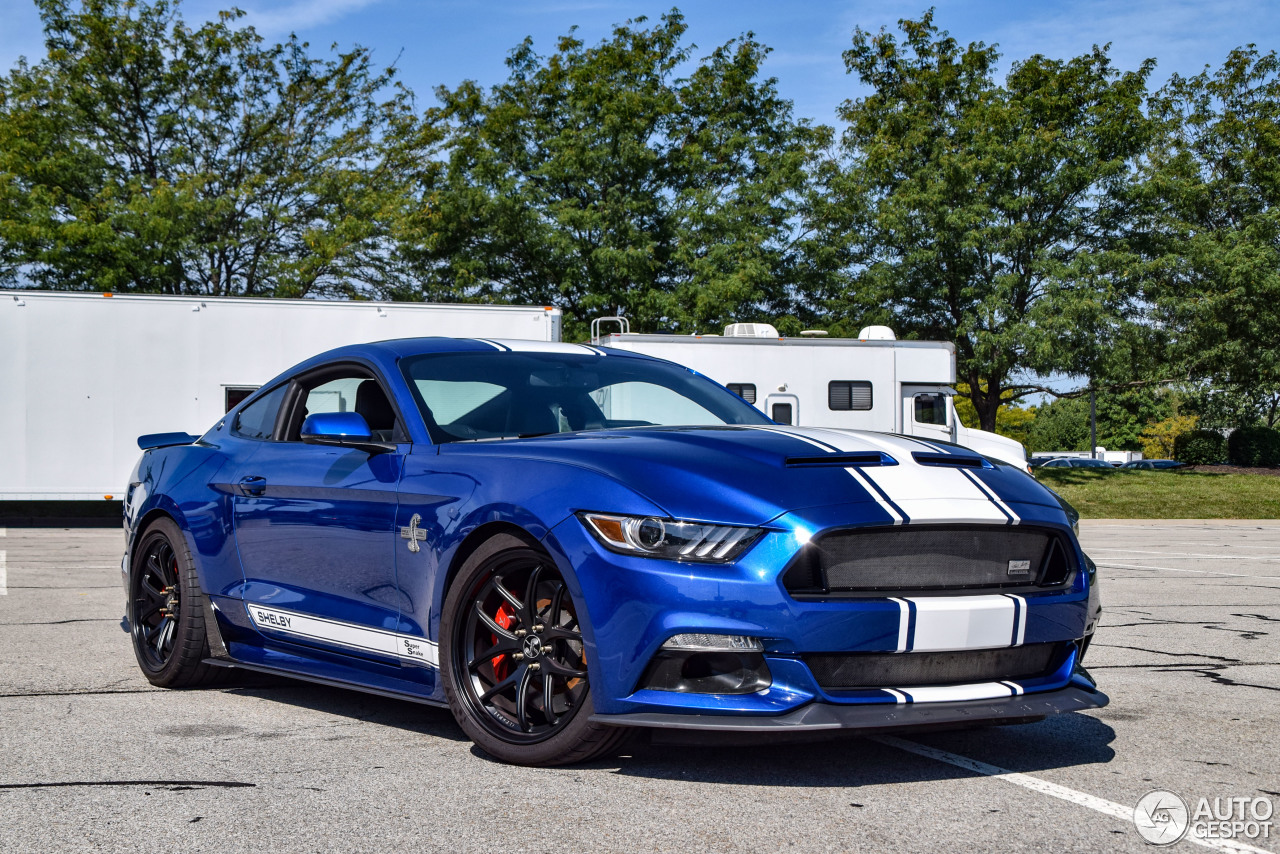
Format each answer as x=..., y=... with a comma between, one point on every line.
x=82, y=375
x=873, y=382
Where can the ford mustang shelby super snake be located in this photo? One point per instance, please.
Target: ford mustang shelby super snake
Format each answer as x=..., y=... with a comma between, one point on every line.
x=563, y=543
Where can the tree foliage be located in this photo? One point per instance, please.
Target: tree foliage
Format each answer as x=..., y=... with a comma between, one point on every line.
x=599, y=180
x=144, y=154
x=1213, y=182
x=991, y=215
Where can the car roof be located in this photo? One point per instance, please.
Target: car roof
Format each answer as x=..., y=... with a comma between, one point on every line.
x=389, y=351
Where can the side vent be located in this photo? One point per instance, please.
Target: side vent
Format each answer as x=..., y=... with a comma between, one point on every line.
x=965, y=461
x=1056, y=566
x=869, y=458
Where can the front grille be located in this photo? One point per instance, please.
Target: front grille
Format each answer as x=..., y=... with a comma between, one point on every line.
x=916, y=558
x=846, y=671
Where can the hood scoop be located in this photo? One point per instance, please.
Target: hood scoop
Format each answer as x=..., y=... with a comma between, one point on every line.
x=963, y=461
x=867, y=458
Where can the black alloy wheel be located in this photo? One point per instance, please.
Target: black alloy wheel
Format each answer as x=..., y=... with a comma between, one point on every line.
x=156, y=599
x=516, y=663
x=165, y=610
x=523, y=664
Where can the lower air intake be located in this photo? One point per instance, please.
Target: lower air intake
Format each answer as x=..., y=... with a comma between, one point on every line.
x=847, y=671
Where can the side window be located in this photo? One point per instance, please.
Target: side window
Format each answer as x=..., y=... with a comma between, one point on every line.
x=746, y=391
x=354, y=391
x=845, y=395
x=258, y=419
x=931, y=409
x=781, y=413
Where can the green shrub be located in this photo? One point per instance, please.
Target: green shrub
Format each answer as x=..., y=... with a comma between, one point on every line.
x=1200, y=448
x=1254, y=446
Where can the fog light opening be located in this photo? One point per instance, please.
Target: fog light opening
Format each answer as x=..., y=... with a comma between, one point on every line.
x=708, y=671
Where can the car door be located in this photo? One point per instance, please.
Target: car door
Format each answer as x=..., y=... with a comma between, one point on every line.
x=315, y=524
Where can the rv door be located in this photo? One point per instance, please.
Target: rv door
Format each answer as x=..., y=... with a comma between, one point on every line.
x=926, y=412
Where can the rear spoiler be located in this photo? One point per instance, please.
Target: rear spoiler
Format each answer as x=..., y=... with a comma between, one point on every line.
x=164, y=440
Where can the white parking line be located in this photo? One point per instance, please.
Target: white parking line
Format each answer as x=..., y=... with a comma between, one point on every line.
x=1185, y=555
x=1197, y=571
x=1035, y=784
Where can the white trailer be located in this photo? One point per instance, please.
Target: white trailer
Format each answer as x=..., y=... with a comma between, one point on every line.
x=83, y=375
x=873, y=382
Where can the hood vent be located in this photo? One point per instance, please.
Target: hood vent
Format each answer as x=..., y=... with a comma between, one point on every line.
x=868, y=458
x=964, y=461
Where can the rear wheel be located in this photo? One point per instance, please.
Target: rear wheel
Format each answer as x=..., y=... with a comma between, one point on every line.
x=165, y=617
x=513, y=659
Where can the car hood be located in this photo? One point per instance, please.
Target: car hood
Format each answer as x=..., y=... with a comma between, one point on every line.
x=751, y=475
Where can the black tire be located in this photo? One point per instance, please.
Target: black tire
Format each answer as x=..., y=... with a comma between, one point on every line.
x=542, y=715
x=166, y=617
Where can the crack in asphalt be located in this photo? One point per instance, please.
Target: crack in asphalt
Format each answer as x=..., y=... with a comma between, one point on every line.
x=171, y=785
x=1173, y=654
x=1259, y=617
x=85, y=693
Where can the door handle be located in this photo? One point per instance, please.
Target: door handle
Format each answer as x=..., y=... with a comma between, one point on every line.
x=252, y=485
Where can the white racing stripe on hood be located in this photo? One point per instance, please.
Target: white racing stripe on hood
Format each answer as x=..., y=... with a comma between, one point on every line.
x=935, y=494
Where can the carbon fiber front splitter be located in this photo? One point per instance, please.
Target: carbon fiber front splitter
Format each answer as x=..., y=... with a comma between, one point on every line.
x=1079, y=694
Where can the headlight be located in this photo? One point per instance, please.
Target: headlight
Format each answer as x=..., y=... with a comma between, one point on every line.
x=651, y=536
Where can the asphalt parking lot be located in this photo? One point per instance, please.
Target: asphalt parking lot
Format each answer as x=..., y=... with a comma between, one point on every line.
x=93, y=758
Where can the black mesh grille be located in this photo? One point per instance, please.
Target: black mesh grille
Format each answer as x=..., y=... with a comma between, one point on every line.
x=920, y=558
x=845, y=671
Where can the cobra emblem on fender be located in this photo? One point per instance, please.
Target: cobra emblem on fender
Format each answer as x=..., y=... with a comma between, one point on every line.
x=413, y=533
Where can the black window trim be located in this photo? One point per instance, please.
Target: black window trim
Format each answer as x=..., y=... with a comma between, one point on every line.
x=301, y=384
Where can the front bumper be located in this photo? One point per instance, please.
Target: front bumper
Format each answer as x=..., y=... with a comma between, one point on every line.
x=1079, y=694
x=635, y=604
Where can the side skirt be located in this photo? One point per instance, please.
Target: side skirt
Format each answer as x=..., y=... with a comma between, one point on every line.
x=332, y=683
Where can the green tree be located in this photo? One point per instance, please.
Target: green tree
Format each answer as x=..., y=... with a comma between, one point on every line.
x=597, y=180
x=1213, y=182
x=992, y=216
x=1123, y=418
x=143, y=154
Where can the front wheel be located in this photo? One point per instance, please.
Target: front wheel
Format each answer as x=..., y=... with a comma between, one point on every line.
x=513, y=659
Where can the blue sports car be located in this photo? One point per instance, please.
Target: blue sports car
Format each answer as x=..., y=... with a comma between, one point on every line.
x=563, y=543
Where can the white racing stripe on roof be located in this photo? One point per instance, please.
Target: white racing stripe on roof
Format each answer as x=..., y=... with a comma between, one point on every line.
x=520, y=345
x=495, y=345
x=1044, y=787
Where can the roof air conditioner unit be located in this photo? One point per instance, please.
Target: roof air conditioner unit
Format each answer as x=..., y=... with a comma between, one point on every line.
x=876, y=333
x=751, y=330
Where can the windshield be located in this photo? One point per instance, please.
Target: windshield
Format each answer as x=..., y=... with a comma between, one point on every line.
x=499, y=395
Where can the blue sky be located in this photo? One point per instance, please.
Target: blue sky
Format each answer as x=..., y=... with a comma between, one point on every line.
x=437, y=42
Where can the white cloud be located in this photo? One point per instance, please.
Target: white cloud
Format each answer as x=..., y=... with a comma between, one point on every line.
x=274, y=20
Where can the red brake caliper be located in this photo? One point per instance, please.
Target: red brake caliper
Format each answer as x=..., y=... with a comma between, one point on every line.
x=504, y=618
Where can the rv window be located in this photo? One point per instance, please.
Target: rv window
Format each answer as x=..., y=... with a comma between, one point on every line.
x=746, y=391
x=849, y=395
x=931, y=409
x=781, y=413
x=258, y=419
